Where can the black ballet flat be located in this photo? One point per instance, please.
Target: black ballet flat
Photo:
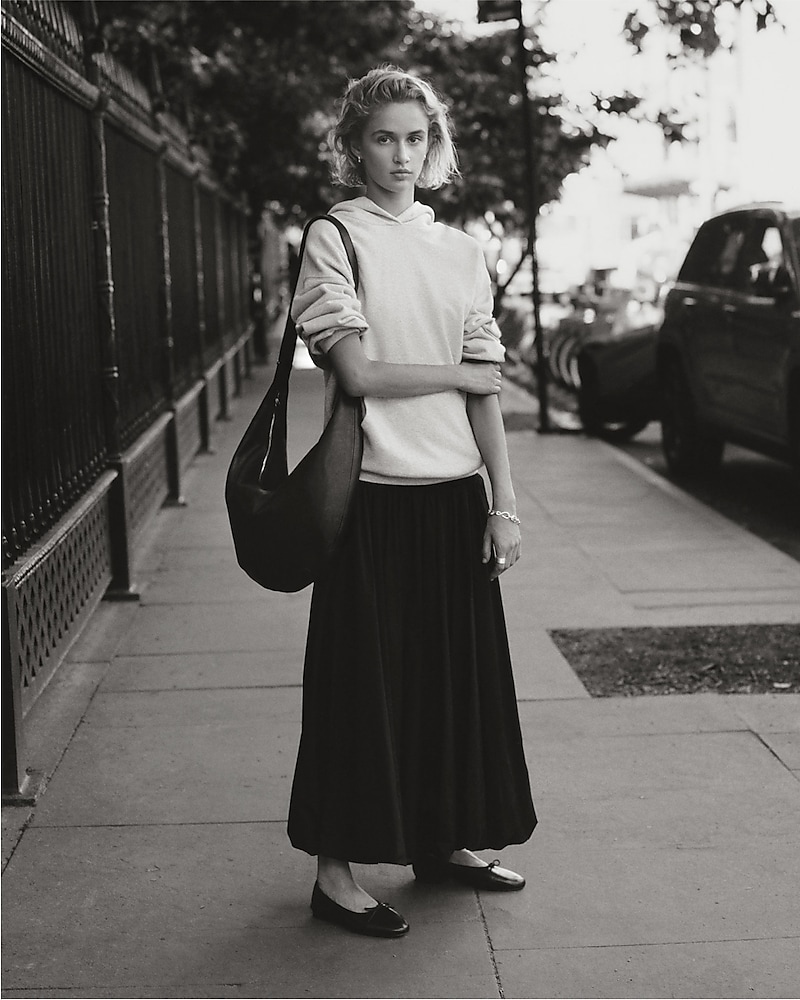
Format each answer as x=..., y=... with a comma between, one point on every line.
x=433, y=870
x=486, y=878
x=377, y=921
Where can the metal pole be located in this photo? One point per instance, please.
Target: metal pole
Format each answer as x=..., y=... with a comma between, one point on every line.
x=533, y=211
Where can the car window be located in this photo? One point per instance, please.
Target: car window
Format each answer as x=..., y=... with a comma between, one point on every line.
x=713, y=256
x=762, y=261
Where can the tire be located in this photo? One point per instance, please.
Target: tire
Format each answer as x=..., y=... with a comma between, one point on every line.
x=794, y=424
x=587, y=402
x=689, y=448
x=589, y=412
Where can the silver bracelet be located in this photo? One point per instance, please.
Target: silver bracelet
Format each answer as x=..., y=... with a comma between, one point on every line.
x=506, y=514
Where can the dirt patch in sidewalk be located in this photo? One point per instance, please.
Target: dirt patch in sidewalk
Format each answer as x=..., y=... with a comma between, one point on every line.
x=738, y=659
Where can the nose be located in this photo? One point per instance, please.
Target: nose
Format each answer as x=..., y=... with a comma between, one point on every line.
x=402, y=154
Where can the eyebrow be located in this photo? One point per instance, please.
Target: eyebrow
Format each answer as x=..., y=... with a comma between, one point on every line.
x=386, y=131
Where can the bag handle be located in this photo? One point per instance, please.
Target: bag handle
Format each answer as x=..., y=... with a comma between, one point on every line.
x=273, y=466
x=286, y=353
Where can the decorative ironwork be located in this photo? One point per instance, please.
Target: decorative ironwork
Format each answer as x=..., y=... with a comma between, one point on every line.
x=188, y=426
x=146, y=477
x=57, y=588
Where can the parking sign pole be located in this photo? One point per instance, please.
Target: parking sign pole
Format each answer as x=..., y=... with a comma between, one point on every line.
x=504, y=10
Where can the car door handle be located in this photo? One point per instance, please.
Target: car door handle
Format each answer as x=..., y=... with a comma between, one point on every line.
x=728, y=308
x=689, y=301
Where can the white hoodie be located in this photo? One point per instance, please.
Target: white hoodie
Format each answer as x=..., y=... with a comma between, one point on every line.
x=424, y=298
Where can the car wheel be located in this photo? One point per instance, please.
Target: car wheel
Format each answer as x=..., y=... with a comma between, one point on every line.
x=588, y=408
x=794, y=424
x=688, y=447
x=589, y=412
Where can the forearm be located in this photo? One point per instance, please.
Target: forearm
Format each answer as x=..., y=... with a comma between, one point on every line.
x=359, y=375
x=490, y=436
x=395, y=381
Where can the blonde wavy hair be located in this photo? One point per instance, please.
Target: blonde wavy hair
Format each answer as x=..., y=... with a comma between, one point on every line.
x=389, y=85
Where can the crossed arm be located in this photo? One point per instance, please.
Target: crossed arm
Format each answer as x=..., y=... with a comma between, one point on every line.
x=361, y=376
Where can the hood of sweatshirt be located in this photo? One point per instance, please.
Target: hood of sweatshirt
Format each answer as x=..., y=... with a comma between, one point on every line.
x=365, y=211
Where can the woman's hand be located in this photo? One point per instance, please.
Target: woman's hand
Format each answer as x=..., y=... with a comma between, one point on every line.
x=502, y=544
x=480, y=378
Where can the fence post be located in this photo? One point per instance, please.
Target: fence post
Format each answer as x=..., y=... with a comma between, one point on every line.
x=205, y=419
x=175, y=497
x=121, y=586
x=224, y=407
x=14, y=775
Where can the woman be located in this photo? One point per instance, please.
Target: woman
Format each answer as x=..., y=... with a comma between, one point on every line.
x=410, y=750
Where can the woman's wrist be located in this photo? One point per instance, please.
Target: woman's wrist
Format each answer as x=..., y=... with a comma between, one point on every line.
x=504, y=501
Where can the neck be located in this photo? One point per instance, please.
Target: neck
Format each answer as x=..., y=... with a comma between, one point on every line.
x=394, y=204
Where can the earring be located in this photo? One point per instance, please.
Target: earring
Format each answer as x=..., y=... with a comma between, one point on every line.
x=358, y=158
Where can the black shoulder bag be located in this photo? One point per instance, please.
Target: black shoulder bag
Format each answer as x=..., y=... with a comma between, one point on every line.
x=286, y=527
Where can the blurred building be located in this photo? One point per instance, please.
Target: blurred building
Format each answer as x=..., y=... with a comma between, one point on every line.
x=630, y=214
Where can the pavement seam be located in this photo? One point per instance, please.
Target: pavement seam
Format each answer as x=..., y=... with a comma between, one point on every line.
x=655, y=944
x=774, y=753
x=210, y=687
x=490, y=946
x=126, y=826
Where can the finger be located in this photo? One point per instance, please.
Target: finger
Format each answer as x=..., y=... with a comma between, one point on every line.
x=486, y=554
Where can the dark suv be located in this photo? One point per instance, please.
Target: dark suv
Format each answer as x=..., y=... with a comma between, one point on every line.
x=728, y=352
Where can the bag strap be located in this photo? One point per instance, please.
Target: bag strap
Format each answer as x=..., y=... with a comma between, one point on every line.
x=286, y=353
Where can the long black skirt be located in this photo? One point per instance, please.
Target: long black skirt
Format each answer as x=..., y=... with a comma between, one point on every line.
x=411, y=741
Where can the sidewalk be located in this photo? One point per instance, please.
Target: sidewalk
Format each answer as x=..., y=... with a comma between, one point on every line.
x=666, y=863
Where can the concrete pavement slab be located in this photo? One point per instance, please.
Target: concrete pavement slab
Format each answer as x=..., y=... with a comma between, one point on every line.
x=767, y=713
x=203, y=670
x=758, y=968
x=640, y=791
x=540, y=670
x=643, y=792
x=179, y=708
x=206, y=628
x=193, y=990
x=645, y=715
x=786, y=747
x=200, y=529
x=710, y=571
x=584, y=897
x=226, y=773
x=225, y=585
x=222, y=904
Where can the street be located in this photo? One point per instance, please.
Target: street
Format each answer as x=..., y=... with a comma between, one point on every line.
x=757, y=493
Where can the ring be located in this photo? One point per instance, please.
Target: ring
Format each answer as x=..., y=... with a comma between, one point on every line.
x=500, y=561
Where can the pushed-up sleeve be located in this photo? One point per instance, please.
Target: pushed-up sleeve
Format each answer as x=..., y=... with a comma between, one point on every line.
x=481, y=332
x=325, y=307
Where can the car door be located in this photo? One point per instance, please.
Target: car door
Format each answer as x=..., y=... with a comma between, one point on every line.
x=761, y=318
x=706, y=281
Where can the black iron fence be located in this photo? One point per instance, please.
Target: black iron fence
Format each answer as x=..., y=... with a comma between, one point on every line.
x=125, y=322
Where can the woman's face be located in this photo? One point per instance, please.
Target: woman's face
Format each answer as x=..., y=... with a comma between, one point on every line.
x=393, y=148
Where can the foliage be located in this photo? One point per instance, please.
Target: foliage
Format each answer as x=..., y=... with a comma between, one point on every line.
x=693, y=23
x=257, y=83
x=481, y=78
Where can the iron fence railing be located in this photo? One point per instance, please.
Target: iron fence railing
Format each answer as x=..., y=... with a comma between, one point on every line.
x=125, y=269
x=186, y=333
x=51, y=386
